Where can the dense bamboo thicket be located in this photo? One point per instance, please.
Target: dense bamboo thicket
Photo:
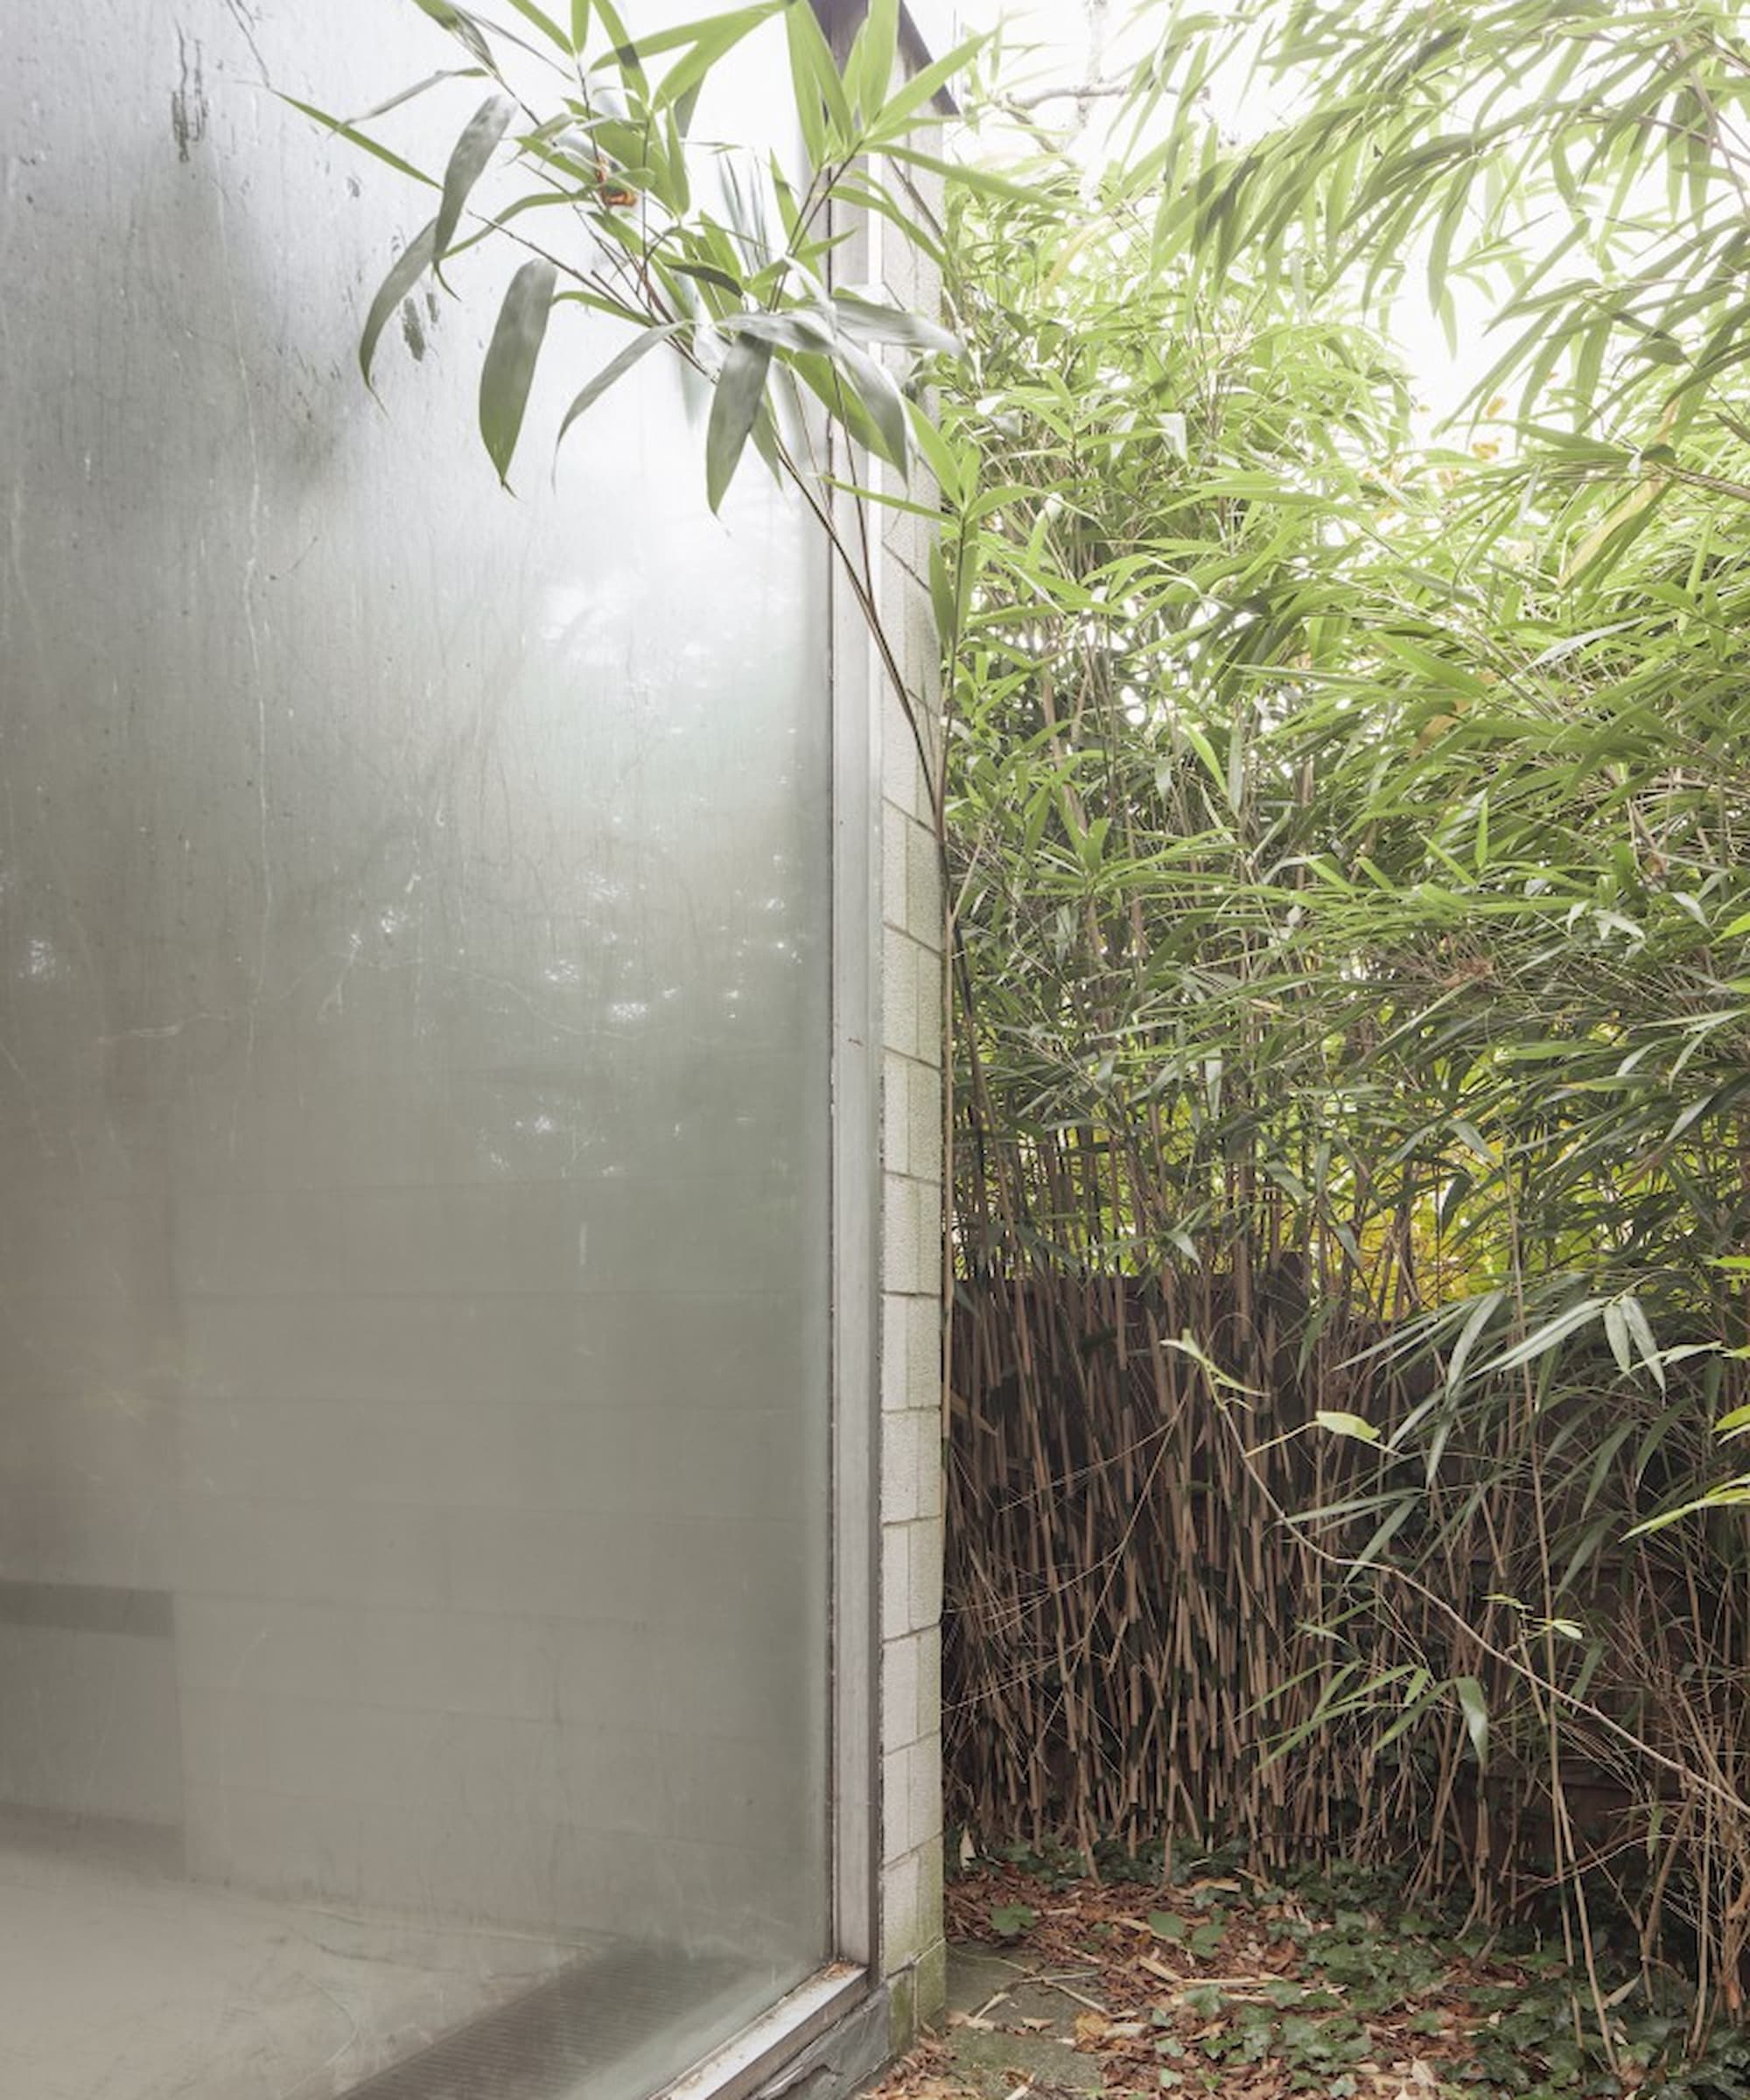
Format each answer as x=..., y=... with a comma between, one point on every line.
x=1141, y=1645
x=1350, y=908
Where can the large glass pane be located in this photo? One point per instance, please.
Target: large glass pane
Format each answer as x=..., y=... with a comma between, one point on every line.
x=413, y=1118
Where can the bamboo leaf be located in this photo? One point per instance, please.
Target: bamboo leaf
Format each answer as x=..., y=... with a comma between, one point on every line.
x=870, y=321
x=878, y=391
x=461, y=25
x=543, y=21
x=1341, y=1423
x=468, y=159
x=1475, y=1707
x=915, y=95
x=735, y=403
x=709, y=41
x=874, y=50
x=615, y=369
x=510, y=359
x=341, y=128
x=407, y=94
x=1616, y=1331
x=1549, y=1336
x=819, y=92
x=404, y=273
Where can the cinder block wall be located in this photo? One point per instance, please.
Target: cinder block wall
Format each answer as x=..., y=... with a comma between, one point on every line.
x=912, y=1953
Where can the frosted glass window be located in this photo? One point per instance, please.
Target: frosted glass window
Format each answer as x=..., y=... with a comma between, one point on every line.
x=414, y=1040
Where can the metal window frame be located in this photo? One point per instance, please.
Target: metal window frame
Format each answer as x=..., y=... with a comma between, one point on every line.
x=855, y=1763
x=761, y=2052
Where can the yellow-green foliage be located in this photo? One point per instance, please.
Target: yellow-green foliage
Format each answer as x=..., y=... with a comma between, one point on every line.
x=1352, y=919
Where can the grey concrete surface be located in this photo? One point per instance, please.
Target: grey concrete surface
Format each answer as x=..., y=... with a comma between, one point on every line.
x=120, y=1982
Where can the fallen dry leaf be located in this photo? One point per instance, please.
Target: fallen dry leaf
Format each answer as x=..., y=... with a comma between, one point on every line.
x=1091, y=1932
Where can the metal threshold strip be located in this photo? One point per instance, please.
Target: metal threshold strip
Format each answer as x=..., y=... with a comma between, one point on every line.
x=556, y=2041
x=744, y=2062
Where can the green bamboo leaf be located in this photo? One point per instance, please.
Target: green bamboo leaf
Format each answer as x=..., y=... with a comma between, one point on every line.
x=545, y=24
x=819, y=93
x=625, y=52
x=1549, y=1336
x=1730, y=1495
x=870, y=321
x=407, y=94
x=404, y=273
x=468, y=159
x=616, y=368
x=1387, y=1530
x=874, y=50
x=735, y=403
x=943, y=606
x=1641, y=1333
x=878, y=391
x=509, y=367
x=917, y=225
x=792, y=328
x=1418, y=1697
x=461, y=25
x=953, y=476
x=712, y=273
x=766, y=441
x=1475, y=1141
x=897, y=113
x=1616, y=1332
x=983, y=182
x=709, y=40
x=679, y=36
x=901, y=506
x=353, y=136
x=1341, y=1423
x=1475, y=1708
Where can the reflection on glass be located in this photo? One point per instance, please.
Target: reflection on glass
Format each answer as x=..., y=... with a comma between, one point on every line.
x=413, y=1107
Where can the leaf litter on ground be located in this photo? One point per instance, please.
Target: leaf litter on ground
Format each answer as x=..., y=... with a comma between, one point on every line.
x=1223, y=1984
